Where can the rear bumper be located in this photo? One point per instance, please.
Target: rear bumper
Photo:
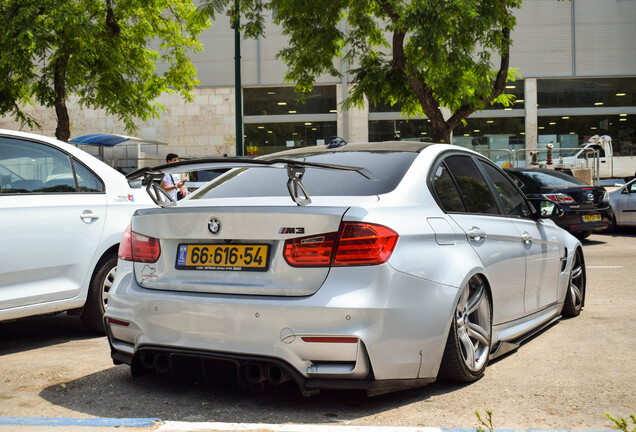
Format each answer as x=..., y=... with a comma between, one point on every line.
x=371, y=337
x=248, y=372
x=572, y=220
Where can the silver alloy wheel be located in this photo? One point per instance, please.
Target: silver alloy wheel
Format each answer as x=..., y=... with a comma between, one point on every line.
x=107, y=285
x=473, y=325
x=577, y=283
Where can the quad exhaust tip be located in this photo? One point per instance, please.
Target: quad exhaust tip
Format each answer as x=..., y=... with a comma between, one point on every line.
x=251, y=372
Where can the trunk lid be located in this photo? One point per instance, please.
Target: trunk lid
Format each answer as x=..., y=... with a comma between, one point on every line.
x=585, y=197
x=243, y=248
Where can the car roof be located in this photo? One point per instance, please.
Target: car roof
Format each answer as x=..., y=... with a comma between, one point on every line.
x=541, y=170
x=402, y=146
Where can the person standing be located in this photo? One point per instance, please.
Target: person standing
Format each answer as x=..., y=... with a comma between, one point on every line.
x=172, y=182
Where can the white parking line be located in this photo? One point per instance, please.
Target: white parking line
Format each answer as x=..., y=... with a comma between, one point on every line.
x=98, y=424
x=604, y=267
x=172, y=426
x=175, y=426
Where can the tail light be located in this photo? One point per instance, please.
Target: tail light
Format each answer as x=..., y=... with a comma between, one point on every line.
x=605, y=197
x=355, y=244
x=560, y=198
x=138, y=248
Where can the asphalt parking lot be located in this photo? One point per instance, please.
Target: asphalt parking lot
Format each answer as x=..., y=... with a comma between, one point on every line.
x=567, y=377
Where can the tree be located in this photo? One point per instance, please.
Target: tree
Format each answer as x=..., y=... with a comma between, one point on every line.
x=101, y=51
x=422, y=54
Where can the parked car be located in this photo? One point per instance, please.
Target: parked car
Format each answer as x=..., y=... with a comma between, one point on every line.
x=586, y=208
x=623, y=201
x=196, y=179
x=63, y=214
x=368, y=266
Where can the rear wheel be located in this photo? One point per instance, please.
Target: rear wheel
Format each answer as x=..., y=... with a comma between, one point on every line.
x=468, y=345
x=576, y=288
x=612, y=227
x=97, y=299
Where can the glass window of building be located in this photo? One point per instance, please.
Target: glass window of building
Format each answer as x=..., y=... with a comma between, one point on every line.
x=493, y=137
x=411, y=130
x=266, y=138
x=586, y=92
x=284, y=100
x=571, y=131
x=514, y=88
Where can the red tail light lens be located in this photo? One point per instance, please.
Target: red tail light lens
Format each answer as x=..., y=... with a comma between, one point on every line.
x=560, y=198
x=138, y=248
x=312, y=251
x=125, y=245
x=364, y=244
x=355, y=244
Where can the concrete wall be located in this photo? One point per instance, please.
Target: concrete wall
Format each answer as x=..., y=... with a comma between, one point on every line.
x=204, y=127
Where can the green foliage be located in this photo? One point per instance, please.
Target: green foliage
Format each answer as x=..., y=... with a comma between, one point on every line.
x=422, y=54
x=487, y=424
x=621, y=424
x=102, y=51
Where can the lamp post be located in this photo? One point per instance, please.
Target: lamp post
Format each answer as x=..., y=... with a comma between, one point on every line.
x=236, y=20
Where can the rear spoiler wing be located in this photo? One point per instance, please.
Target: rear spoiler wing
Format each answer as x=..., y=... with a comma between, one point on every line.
x=152, y=177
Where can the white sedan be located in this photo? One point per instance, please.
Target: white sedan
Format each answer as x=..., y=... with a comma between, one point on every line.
x=376, y=266
x=623, y=202
x=63, y=213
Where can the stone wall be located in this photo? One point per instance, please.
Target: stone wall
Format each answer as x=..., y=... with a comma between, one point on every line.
x=203, y=127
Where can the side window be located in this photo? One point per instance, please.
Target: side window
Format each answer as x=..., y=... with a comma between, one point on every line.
x=86, y=180
x=446, y=191
x=517, y=181
x=590, y=154
x=472, y=186
x=513, y=202
x=31, y=167
x=60, y=177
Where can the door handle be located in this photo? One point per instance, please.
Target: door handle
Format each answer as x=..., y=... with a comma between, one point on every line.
x=476, y=234
x=527, y=239
x=89, y=216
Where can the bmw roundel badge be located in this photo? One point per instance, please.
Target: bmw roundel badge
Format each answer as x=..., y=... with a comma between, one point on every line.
x=214, y=226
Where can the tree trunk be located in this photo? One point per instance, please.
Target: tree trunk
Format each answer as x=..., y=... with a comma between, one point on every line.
x=443, y=128
x=443, y=135
x=63, y=130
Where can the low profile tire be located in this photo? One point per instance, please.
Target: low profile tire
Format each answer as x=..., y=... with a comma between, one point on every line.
x=97, y=299
x=612, y=226
x=468, y=345
x=575, y=295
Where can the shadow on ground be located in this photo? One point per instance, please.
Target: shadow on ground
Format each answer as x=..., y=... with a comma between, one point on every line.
x=115, y=393
x=41, y=331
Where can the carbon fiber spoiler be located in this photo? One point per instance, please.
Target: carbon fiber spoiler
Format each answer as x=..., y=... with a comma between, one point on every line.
x=152, y=177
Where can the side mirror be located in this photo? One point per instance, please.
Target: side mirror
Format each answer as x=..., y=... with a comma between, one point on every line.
x=546, y=209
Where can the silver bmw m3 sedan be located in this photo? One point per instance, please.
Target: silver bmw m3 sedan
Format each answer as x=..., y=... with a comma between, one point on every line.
x=372, y=266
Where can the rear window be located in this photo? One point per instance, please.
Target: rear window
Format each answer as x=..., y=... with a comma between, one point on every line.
x=542, y=179
x=387, y=168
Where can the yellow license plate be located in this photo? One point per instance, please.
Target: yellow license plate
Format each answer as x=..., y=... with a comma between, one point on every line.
x=252, y=257
x=592, y=218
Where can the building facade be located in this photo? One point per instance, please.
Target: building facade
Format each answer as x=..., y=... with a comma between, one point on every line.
x=577, y=60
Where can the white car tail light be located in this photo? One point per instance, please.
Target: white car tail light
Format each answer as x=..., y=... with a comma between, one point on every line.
x=138, y=248
x=355, y=244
